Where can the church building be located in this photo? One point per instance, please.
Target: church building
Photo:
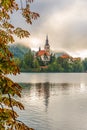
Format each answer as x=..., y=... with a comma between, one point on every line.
x=45, y=53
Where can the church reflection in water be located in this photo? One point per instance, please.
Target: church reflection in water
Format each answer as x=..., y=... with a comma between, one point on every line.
x=43, y=90
x=47, y=90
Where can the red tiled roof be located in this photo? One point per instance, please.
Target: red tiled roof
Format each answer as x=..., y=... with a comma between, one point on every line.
x=65, y=56
x=42, y=52
x=77, y=58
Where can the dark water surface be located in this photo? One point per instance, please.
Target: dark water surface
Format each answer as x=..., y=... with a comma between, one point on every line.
x=54, y=101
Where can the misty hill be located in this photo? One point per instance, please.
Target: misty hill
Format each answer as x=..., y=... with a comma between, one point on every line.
x=58, y=54
x=18, y=50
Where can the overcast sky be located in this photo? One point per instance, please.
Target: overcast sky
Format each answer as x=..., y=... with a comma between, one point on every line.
x=64, y=21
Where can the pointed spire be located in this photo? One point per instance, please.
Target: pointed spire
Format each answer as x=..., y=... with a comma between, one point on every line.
x=47, y=46
x=39, y=48
x=47, y=42
x=46, y=37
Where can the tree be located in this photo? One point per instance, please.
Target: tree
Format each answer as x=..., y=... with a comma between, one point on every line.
x=85, y=64
x=36, y=64
x=28, y=59
x=8, y=89
x=77, y=66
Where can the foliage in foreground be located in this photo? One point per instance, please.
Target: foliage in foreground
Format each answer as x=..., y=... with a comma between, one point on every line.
x=8, y=89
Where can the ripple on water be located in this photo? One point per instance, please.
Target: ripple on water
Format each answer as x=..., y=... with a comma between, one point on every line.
x=60, y=105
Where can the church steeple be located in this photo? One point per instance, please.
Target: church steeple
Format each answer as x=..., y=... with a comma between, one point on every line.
x=47, y=46
x=47, y=42
x=39, y=48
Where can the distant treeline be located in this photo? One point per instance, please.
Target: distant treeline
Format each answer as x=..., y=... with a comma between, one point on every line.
x=30, y=63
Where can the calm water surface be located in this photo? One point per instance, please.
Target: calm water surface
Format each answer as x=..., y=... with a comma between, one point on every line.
x=54, y=101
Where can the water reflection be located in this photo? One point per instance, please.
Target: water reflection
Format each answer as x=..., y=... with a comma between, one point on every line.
x=54, y=101
x=44, y=91
x=55, y=106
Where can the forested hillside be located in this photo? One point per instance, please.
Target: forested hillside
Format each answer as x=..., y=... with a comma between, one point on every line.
x=27, y=61
x=18, y=50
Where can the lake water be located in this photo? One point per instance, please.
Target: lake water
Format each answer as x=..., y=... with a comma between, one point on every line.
x=54, y=101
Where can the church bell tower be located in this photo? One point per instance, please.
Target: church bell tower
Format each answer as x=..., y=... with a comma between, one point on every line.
x=47, y=46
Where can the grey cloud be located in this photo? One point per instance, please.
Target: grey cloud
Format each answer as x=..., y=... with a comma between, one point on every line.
x=73, y=37
x=65, y=21
x=47, y=8
x=72, y=33
x=45, y=5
